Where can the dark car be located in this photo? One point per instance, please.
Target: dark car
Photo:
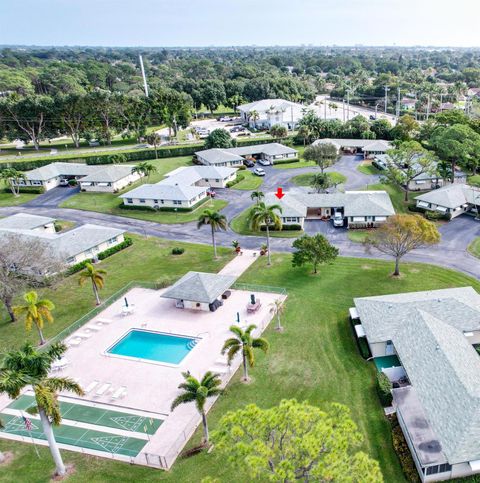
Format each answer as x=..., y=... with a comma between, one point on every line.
x=248, y=163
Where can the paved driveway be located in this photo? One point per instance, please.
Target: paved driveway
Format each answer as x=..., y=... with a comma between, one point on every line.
x=53, y=197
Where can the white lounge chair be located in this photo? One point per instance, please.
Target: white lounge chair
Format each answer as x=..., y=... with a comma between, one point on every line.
x=74, y=342
x=103, y=321
x=93, y=328
x=103, y=389
x=91, y=386
x=60, y=364
x=119, y=393
x=220, y=370
x=128, y=310
x=84, y=335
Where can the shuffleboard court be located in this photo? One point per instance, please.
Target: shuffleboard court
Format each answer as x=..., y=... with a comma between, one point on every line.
x=75, y=436
x=97, y=415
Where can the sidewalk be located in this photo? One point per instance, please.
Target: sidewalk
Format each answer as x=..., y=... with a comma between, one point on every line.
x=240, y=263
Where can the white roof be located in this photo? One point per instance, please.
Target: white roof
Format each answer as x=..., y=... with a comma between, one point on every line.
x=270, y=105
x=109, y=174
x=192, y=174
x=452, y=196
x=25, y=221
x=364, y=144
x=161, y=191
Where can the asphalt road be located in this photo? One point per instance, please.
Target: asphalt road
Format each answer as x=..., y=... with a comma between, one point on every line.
x=450, y=252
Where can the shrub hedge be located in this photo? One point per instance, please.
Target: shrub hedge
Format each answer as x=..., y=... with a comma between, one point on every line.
x=101, y=256
x=292, y=227
x=286, y=161
x=403, y=452
x=240, y=177
x=384, y=388
x=136, y=208
x=177, y=251
x=37, y=190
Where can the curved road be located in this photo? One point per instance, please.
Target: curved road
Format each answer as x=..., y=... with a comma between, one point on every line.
x=450, y=252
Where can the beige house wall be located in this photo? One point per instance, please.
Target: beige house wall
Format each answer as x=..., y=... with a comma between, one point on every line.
x=95, y=250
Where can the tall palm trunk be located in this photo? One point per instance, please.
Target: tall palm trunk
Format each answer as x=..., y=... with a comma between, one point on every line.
x=40, y=334
x=269, y=261
x=206, y=435
x=214, y=243
x=245, y=367
x=95, y=291
x=279, y=323
x=52, y=443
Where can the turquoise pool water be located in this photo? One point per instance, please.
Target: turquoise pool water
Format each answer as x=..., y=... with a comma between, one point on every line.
x=386, y=362
x=154, y=346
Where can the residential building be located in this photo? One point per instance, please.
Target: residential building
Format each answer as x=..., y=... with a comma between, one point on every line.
x=104, y=178
x=454, y=200
x=74, y=246
x=366, y=147
x=234, y=157
x=266, y=113
x=209, y=176
x=408, y=104
x=424, y=181
x=424, y=343
x=360, y=209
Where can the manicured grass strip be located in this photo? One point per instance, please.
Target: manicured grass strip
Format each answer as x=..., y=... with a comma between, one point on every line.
x=96, y=415
x=357, y=236
x=298, y=164
x=7, y=199
x=251, y=181
x=75, y=436
x=148, y=259
x=239, y=224
x=474, y=247
x=306, y=179
x=366, y=167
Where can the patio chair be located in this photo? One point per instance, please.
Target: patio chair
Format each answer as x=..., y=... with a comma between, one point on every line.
x=93, y=328
x=102, y=321
x=103, y=389
x=91, y=386
x=60, y=364
x=74, y=342
x=84, y=335
x=119, y=393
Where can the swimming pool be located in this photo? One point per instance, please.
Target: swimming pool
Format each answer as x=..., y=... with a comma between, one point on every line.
x=153, y=346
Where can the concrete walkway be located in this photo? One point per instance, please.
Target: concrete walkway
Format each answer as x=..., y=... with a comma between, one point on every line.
x=240, y=263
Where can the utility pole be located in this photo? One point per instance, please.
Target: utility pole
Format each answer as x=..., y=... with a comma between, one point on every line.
x=325, y=107
x=386, y=98
x=428, y=106
x=376, y=110
x=343, y=108
x=398, y=103
x=145, y=86
x=348, y=105
x=441, y=101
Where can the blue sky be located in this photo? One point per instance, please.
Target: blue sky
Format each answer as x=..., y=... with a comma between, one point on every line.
x=239, y=22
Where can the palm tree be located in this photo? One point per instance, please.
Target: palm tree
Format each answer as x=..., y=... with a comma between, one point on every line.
x=261, y=214
x=12, y=177
x=254, y=116
x=277, y=308
x=35, y=312
x=96, y=276
x=28, y=366
x=258, y=196
x=198, y=392
x=243, y=341
x=216, y=221
x=154, y=138
x=144, y=169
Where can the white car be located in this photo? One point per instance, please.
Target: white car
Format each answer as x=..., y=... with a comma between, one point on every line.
x=264, y=162
x=338, y=219
x=259, y=172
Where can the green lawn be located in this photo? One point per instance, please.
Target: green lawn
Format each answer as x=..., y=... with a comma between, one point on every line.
x=357, y=236
x=239, y=224
x=251, y=181
x=306, y=179
x=146, y=260
x=474, y=247
x=7, y=199
x=110, y=203
x=315, y=359
x=474, y=180
x=298, y=164
x=366, y=167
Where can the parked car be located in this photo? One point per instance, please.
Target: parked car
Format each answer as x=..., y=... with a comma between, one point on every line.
x=226, y=119
x=237, y=129
x=211, y=193
x=63, y=182
x=338, y=219
x=264, y=162
x=372, y=117
x=259, y=171
x=249, y=163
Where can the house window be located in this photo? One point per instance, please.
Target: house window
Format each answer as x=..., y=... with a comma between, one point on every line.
x=71, y=260
x=142, y=201
x=162, y=202
x=217, y=180
x=155, y=201
x=445, y=467
x=112, y=240
x=38, y=183
x=177, y=202
x=129, y=200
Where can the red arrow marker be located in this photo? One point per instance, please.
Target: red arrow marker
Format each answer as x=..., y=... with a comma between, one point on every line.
x=279, y=194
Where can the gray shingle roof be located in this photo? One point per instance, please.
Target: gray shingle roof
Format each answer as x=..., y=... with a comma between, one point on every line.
x=25, y=221
x=371, y=144
x=110, y=174
x=380, y=316
x=368, y=203
x=444, y=369
x=271, y=149
x=452, y=196
x=291, y=206
x=193, y=174
x=265, y=105
x=199, y=287
x=217, y=156
x=164, y=192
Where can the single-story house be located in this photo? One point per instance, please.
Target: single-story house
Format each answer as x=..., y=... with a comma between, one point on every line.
x=107, y=178
x=361, y=209
x=234, y=157
x=111, y=178
x=367, y=147
x=266, y=113
x=25, y=221
x=209, y=176
x=75, y=245
x=428, y=338
x=423, y=181
x=164, y=196
x=408, y=104
x=199, y=290
x=454, y=199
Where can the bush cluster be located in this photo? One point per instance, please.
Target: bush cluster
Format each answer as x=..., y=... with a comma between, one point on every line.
x=286, y=161
x=136, y=207
x=101, y=256
x=240, y=177
x=384, y=389
x=403, y=452
x=177, y=251
x=292, y=227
